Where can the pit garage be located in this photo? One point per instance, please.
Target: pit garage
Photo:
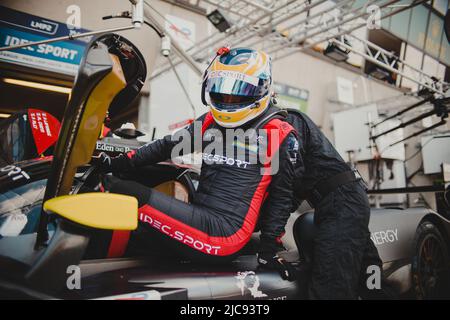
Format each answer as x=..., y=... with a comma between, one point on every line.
x=87, y=80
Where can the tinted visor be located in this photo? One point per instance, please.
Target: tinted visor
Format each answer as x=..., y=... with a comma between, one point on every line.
x=230, y=94
x=231, y=102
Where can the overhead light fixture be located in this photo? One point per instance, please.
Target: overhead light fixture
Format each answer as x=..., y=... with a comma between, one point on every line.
x=38, y=85
x=336, y=52
x=383, y=74
x=4, y=115
x=380, y=74
x=425, y=93
x=218, y=19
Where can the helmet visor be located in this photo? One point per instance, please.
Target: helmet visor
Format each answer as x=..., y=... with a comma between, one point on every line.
x=231, y=102
x=232, y=93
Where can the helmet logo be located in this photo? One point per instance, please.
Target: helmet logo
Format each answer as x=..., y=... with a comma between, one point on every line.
x=234, y=75
x=224, y=117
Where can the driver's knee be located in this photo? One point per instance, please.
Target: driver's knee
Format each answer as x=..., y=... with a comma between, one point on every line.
x=127, y=187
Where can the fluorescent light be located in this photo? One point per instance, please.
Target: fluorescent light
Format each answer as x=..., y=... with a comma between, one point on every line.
x=219, y=21
x=336, y=53
x=4, y=115
x=37, y=85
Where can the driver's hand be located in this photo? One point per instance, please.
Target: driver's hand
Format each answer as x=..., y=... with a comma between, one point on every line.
x=274, y=262
x=107, y=164
x=103, y=162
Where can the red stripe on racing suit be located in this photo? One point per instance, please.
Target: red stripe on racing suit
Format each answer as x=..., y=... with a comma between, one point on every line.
x=218, y=245
x=207, y=122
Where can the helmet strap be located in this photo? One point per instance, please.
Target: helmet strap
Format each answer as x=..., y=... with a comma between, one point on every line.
x=205, y=77
x=274, y=98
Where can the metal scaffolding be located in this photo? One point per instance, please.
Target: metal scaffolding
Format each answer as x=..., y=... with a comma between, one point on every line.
x=391, y=62
x=257, y=24
x=285, y=27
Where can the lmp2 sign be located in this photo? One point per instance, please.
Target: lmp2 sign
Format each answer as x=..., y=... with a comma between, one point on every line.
x=18, y=28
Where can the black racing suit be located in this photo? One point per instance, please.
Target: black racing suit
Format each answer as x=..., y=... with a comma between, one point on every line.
x=231, y=191
x=342, y=249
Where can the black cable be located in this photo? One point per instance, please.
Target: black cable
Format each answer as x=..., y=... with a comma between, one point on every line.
x=160, y=34
x=418, y=151
x=421, y=196
x=415, y=105
x=412, y=175
x=186, y=93
x=434, y=126
x=405, y=124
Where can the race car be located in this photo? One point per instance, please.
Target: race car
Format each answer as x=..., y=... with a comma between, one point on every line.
x=51, y=208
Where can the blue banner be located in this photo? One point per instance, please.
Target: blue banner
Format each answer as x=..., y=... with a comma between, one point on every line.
x=17, y=28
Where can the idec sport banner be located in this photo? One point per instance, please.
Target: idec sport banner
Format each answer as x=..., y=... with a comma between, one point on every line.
x=45, y=129
x=18, y=27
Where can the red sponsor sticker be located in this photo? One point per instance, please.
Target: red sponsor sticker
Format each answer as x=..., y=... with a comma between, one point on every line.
x=45, y=129
x=180, y=124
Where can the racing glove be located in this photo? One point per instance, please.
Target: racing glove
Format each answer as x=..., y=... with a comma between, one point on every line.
x=111, y=164
x=268, y=258
x=274, y=262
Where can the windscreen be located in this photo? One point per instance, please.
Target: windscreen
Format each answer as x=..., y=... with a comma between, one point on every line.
x=16, y=139
x=27, y=135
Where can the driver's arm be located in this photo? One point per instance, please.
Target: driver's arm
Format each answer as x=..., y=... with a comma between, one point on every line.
x=279, y=203
x=155, y=151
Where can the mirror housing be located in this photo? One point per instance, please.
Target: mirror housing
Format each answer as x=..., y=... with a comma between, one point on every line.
x=97, y=210
x=128, y=133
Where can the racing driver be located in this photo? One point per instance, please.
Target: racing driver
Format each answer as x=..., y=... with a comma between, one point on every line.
x=227, y=206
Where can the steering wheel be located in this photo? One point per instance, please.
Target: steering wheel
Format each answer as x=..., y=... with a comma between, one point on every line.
x=89, y=181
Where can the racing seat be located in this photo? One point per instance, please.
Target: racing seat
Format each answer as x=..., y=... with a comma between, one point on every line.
x=304, y=233
x=174, y=189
